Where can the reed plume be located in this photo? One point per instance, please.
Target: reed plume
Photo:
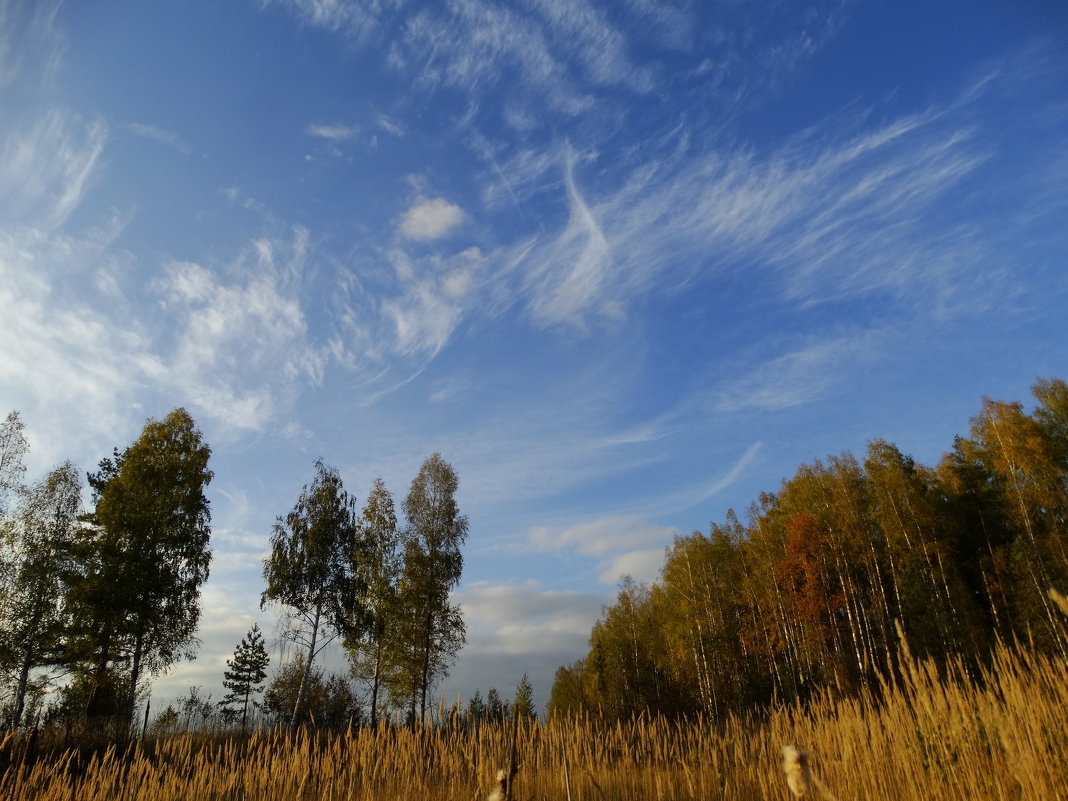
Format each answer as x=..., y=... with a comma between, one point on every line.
x=795, y=766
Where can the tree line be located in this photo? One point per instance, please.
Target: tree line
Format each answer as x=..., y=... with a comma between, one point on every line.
x=809, y=594
x=96, y=602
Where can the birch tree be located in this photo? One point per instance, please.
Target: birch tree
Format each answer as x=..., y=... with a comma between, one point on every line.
x=309, y=571
x=433, y=627
x=35, y=618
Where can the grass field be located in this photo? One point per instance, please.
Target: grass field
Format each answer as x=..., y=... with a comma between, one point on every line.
x=1004, y=736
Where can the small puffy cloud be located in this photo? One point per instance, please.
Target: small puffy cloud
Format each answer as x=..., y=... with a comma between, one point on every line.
x=335, y=133
x=431, y=219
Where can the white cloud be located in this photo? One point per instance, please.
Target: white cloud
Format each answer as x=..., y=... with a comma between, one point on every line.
x=388, y=125
x=838, y=212
x=31, y=48
x=156, y=134
x=241, y=346
x=335, y=133
x=572, y=280
x=430, y=219
x=517, y=628
x=46, y=167
x=422, y=319
x=606, y=535
x=642, y=566
x=800, y=376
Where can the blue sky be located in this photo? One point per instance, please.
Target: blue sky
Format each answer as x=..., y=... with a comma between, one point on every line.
x=624, y=264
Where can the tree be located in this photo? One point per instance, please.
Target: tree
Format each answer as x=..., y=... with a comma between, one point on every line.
x=145, y=555
x=35, y=619
x=197, y=710
x=377, y=565
x=433, y=627
x=476, y=710
x=524, y=700
x=496, y=708
x=329, y=701
x=310, y=569
x=13, y=448
x=246, y=674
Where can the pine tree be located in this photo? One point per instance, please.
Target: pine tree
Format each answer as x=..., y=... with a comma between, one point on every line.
x=247, y=673
x=524, y=700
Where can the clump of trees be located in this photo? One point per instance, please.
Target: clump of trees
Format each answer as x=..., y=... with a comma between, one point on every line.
x=806, y=594
x=112, y=596
x=381, y=589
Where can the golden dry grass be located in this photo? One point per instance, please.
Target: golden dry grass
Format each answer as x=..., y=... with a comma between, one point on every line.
x=1003, y=737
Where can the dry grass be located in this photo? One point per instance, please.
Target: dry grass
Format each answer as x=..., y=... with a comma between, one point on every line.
x=1003, y=737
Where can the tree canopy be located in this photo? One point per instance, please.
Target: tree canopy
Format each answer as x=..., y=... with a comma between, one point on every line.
x=806, y=596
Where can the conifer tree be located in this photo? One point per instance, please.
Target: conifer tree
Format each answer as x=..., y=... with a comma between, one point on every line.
x=524, y=700
x=247, y=673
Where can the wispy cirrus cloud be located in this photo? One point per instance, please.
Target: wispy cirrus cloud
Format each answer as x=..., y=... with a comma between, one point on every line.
x=830, y=215
x=156, y=134
x=242, y=344
x=802, y=375
x=31, y=47
x=334, y=133
x=46, y=165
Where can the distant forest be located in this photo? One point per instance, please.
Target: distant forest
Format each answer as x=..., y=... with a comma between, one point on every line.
x=809, y=594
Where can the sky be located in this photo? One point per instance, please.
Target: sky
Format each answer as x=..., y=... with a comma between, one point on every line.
x=624, y=263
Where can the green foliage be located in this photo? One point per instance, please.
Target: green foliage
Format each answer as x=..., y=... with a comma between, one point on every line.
x=135, y=597
x=246, y=674
x=34, y=624
x=430, y=629
x=167, y=722
x=377, y=566
x=523, y=706
x=13, y=449
x=310, y=569
x=329, y=700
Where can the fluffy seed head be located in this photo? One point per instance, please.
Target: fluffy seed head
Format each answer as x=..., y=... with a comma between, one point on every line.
x=795, y=766
x=501, y=791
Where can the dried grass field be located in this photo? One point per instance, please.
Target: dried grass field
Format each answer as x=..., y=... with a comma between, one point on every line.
x=1000, y=735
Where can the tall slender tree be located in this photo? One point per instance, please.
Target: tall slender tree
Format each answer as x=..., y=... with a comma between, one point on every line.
x=13, y=449
x=35, y=623
x=433, y=563
x=377, y=564
x=310, y=572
